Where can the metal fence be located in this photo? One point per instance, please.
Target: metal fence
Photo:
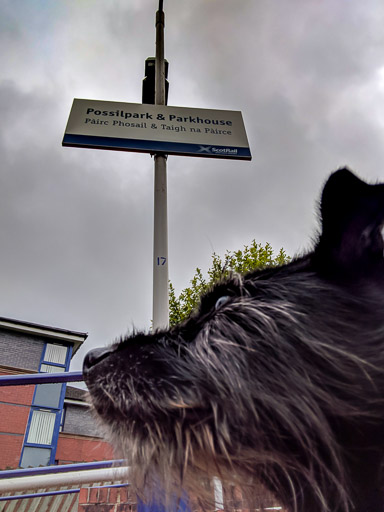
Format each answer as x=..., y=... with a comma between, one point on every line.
x=17, y=480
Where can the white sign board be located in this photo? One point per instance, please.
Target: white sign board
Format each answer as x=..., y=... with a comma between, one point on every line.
x=157, y=129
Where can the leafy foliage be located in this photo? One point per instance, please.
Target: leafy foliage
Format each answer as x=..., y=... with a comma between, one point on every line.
x=252, y=257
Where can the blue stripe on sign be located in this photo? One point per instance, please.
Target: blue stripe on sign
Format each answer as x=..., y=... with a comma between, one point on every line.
x=153, y=146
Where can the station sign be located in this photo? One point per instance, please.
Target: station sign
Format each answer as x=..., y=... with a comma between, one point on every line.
x=157, y=129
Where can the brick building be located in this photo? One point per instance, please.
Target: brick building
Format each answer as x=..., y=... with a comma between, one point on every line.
x=45, y=423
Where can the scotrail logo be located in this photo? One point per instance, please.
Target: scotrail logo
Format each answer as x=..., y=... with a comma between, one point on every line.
x=217, y=151
x=205, y=149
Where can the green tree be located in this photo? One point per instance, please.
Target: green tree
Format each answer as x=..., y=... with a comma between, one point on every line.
x=253, y=257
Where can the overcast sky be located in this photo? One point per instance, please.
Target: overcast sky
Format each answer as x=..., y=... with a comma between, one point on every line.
x=76, y=225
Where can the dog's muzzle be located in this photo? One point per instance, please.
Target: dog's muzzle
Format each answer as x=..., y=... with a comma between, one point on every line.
x=93, y=357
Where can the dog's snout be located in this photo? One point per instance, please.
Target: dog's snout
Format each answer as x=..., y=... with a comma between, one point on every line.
x=95, y=356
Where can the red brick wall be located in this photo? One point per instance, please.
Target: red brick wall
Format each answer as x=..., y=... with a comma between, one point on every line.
x=13, y=418
x=73, y=448
x=10, y=450
x=15, y=404
x=118, y=499
x=122, y=499
x=17, y=394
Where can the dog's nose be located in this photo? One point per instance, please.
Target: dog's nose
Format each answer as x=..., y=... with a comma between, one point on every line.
x=95, y=356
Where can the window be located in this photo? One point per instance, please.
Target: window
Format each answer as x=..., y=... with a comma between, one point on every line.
x=33, y=457
x=48, y=395
x=55, y=353
x=54, y=359
x=46, y=412
x=47, y=368
x=41, y=427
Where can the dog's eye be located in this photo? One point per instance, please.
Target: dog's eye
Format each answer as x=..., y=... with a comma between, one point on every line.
x=220, y=302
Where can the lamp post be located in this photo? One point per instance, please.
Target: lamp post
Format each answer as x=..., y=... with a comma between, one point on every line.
x=160, y=309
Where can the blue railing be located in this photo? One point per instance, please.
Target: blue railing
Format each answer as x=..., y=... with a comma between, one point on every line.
x=40, y=378
x=46, y=378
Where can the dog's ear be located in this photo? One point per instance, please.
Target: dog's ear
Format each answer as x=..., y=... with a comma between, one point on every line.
x=352, y=214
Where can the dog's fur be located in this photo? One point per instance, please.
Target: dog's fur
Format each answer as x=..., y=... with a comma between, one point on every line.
x=277, y=378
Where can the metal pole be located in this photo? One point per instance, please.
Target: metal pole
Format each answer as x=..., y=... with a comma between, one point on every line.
x=72, y=478
x=160, y=234
x=65, y=468
x=40, y=378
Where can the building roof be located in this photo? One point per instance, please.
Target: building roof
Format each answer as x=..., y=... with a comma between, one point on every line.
x=76, y=393
x=75, y=337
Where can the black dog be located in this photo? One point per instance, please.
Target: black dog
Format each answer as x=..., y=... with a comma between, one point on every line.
x=277, y=378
